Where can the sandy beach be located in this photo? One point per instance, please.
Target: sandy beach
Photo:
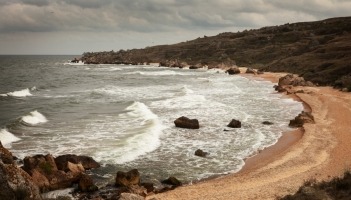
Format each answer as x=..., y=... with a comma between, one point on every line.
x=317, y=151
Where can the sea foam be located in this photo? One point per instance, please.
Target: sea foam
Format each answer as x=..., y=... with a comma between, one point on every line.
x=7, y=138
x=145, y=130
x=20, y=93
x=33, y=118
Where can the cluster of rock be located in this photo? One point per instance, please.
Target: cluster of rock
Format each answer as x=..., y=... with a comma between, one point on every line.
x=294, y=80
x=301, y=119
x=43, y=173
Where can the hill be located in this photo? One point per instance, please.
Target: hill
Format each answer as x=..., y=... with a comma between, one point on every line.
x=319, y=51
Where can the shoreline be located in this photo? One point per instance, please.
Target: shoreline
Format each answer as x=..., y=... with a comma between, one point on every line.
x=321, y=153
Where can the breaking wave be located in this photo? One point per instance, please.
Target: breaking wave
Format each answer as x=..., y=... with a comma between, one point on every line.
x=7, y=138
x=33, y=118
x=20, y=93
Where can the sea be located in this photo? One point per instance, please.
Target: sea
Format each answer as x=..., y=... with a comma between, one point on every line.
x=123, y=116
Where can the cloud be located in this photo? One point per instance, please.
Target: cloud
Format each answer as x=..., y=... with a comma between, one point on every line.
x=192, y=18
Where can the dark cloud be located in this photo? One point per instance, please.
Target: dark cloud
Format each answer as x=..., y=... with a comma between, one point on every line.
x=186, y=18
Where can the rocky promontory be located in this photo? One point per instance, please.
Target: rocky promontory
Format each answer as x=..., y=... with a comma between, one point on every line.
x=317, y=51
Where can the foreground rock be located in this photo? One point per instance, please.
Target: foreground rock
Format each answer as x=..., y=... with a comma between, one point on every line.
x=172, y=181
x=294, y=80
x=86, y=161
x=5, y=155
x=303, y=117
x=250, y=71
x=128, y=179
x=14, y=182
x=184, y=122
x=234, y=124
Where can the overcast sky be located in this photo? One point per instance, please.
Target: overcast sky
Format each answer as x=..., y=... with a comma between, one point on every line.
x=77, y=26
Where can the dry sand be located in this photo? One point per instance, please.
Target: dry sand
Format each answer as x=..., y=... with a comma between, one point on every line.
x=321, y=152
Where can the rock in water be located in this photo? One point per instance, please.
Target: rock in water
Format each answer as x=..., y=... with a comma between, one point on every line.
x=86, y=184
x=267, y=123
x=234, y=124
x=172, y=181
x=233, y=70
x=184, y=122
x=128, y=178
x=250, y=71
x=86, y=161
x=200, y=153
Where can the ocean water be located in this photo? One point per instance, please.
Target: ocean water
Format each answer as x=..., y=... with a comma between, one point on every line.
x=123, y=116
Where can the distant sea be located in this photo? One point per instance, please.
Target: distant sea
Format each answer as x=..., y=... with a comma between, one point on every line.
x=123, y=116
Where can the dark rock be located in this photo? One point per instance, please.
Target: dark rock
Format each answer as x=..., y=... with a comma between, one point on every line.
x=200, y=153
x=234, y=124
x=127, y=178
x=303, y=117
x=45, y=174
x=267, y=123
x=299, y=91
x=233, y=70
x=16, y=184
x=280, y=89
x=86, y=161
x=184, y=122
x=86, y=184
x=172, y=181
x=5, y=155
x=148, y=186
x=193, y=67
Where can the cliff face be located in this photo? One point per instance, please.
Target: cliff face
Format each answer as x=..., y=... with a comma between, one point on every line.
x=319, y=51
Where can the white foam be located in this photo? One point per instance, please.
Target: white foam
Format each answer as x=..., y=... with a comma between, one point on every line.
x=7, y=138
x=20, y=93
x=34, y=118
x=143, y=137
x=57, y=193
x=186, y=90
x=159, y=73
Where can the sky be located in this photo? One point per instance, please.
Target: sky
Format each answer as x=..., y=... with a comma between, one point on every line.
x=72, y=27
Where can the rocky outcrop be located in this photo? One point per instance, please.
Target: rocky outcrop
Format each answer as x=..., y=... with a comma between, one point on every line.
x=233, y=70
x=234, y=124
x=86, y=161
x=294, y=80
x=130, y=196
x=47, y=175
x=14, y=182
x=301, y=119
x=184, y=122
x=5, y=155
x=86, y=184
x=172, y=181
x=200, y=153
x=127, y=179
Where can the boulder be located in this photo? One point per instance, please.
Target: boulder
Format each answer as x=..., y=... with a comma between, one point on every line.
x=233, y=70
x=86, y=184
x=5, y=155
x=184, y=122
x=234, y=124
x=291, y=79
x=303, y=117
x=86, y=161
x=193, y=67
x=172, y=181
x=17, y=184
x=200, y=153
x=250, y=71
x=148, y=186
x=279, y=89
x=46, y=175
x=267, y=123
x=128, y=178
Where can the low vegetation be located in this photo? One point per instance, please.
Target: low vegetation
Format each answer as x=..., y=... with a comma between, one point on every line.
x=337, y=188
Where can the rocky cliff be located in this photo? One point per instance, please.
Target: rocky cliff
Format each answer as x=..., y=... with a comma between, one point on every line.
x=319, y=51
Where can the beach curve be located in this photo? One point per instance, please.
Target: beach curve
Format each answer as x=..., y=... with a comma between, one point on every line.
x=321, y=153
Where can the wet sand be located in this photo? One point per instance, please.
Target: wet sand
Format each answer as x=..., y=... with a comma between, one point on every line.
x=321, y=152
